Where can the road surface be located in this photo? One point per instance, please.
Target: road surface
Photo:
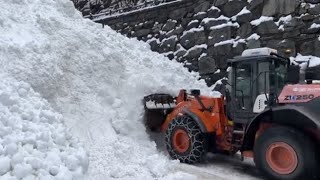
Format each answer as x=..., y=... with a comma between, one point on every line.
x=217, y=167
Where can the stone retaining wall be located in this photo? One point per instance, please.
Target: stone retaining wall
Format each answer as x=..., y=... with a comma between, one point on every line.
x=203, y=34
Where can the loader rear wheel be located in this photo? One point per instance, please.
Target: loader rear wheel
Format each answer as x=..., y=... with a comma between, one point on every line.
x=185, y=141
x=285, y=153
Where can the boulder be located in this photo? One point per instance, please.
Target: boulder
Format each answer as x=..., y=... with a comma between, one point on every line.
x=286, y=48
x=178, y=13
x=222, y=50
x=220, y=2
x=279, y=7
x=218, y=35
x=314, y=10
x=154, y=45
x=267, y=27
x=239, y=48
x=308, y=17
x=307, y=48
x=233, y=7
x=168, y=44
x=244, y=18
x=213, y=12
x=255, y=7
x=253, y=43
x=156, y=28
x=194, y=52
x=169, y=25
x=193, y=38
x=170, y=56
x=200, y=16
x=244, y=31
x=202, y=7
x=208, y=23
x=207, y=65
x=317, y=47
x=193, y=66
x=185, y=22
x=141, y=32
x=181, y=52
x=291, y=34
x=126, y=30
x=148, y=24
x=255, y=4
x=177, y=31
x=294, y=24
x=273, y=43
x=192, y=24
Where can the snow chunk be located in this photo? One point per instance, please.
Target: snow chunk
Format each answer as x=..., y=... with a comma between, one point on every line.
x=260, y=20
x=235, y=42
x=225, y=25
x=314, y=26
x=22, y=170
x=215, y=8
x=4, y=165
x=284, y=20
x=254, y=36
x=193, y=21
x=313, y=60
x=222, y=17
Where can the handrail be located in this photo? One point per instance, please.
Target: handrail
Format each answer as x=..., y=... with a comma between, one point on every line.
x=119, y=11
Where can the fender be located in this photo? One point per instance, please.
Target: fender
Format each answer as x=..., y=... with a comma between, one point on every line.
x=205, y=124
x=304, y=116
x=196, y=118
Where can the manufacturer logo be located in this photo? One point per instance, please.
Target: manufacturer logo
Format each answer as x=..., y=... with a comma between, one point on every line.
x=299, y=97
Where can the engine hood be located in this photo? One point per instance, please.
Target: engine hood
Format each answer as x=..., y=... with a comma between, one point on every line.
x=299, y=93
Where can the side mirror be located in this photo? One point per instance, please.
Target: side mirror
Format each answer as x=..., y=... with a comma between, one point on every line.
x=293, y=75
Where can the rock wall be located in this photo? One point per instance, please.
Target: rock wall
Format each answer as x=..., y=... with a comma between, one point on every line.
x=203, y=34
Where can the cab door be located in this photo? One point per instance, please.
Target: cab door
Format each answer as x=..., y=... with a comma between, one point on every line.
x=243, y=91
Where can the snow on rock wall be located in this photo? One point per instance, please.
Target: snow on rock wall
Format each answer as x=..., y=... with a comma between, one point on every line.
x=63, y=71
x=203, y=34
x=90, y=7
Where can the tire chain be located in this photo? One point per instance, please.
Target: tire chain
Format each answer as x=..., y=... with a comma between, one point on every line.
x=198, y=146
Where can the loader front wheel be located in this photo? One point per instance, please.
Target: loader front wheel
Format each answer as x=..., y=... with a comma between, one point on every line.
x=185, y=141
x=285, y=153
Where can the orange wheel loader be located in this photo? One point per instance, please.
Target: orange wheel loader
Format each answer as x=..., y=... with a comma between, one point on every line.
x=265, y=113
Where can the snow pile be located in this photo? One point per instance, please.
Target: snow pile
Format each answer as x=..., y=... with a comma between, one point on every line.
x=95, y=78
x=33, y=140
x=311, y=61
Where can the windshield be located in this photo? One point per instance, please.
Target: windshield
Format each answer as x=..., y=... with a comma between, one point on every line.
x=281, y=74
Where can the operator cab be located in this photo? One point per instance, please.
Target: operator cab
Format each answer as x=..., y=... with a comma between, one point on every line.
x=255, y=80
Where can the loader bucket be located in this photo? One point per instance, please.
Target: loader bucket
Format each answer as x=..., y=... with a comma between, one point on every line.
x=157, y=107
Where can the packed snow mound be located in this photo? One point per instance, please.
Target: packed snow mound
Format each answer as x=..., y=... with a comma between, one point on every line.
x=95, y=78
x=34, y=142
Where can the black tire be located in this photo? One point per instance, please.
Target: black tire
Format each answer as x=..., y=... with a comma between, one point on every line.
x=305, y=151
x=197, y=147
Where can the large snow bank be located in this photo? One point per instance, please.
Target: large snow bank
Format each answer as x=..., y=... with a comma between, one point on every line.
x=95, y=78
x=33, y=140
